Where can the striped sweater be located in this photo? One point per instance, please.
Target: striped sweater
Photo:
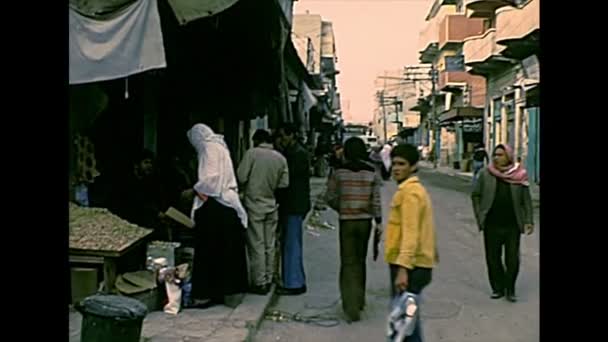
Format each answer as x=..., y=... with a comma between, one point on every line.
x=353, y=190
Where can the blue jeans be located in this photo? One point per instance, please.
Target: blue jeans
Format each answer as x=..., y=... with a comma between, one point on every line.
x=292, y=253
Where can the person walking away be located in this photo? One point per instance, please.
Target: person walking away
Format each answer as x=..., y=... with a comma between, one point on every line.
x=410, y=246
x=376, y=159
x=295, y=201
x=261, y=172
x=480, y=158
x=503, y=209
x=220, y=262
x=385, y=154
x=337, y=158
x=353, y=191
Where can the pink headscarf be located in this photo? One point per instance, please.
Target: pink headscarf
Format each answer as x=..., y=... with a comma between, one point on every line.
x=513, y=173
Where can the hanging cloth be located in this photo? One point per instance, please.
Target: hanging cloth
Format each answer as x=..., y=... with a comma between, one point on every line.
x=124, y=44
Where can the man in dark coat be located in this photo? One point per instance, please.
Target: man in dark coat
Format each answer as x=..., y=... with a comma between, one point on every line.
x=294, y=204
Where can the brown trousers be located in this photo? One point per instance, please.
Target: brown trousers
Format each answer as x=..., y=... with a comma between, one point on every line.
x=354, y=239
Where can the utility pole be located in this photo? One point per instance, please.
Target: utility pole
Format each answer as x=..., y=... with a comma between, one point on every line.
x=383, y=110
x=434, y=123
x=413, y=74
x=383, y=115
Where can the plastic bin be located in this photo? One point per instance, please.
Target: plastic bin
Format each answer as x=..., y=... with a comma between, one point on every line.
x=111, y=318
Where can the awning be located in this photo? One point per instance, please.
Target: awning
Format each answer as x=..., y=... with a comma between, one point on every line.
x=296, y=69
x=527, y=83
x=100, y=9
x=407, y=132
x=189, y=10
x=308, y=99
x=456, y=114
x=423, y=105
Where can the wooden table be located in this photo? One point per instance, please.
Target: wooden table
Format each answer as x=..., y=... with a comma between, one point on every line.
x=109, y=259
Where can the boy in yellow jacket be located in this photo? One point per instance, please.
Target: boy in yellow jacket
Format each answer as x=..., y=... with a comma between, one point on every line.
x=410, y=247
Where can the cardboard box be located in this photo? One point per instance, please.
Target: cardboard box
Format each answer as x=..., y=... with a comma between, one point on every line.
x=163, y=249
x=84, y=283
x=180, y=217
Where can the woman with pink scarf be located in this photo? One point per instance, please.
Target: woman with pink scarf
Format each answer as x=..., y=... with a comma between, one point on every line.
x=503, y=209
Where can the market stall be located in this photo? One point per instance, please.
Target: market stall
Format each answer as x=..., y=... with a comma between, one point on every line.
x=99, y=237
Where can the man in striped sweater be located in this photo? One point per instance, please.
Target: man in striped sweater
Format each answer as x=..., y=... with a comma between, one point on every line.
x=354, y=192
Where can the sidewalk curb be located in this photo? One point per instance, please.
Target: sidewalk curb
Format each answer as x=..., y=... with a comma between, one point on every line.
x=273, y=297
x=254, y=326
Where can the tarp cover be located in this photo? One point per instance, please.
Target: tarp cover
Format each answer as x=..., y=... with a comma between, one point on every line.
x=99, y=8
x=128, y=43
x=111, y=306
x=189, y=10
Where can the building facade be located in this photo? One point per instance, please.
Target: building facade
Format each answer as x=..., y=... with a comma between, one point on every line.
x=459, y=99
x=506, y=55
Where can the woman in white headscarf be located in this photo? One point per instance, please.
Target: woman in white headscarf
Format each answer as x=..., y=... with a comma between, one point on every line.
x=220, y=264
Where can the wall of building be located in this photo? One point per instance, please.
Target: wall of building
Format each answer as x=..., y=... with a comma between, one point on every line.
x=508, y=117
x=310, y=25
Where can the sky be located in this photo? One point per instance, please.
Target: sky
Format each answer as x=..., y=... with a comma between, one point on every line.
x=370, y=36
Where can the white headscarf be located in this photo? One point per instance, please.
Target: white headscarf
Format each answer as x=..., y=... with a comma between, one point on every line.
x=385, y=153
x=215, y=171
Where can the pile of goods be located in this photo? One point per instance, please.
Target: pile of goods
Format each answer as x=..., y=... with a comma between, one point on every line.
x=98, y=229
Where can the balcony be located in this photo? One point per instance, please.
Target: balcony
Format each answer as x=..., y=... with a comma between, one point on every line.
x=485, y=8
x=457, y=81
x=454, y=29
x=482, y=54
x=452, y=80
x=518, y=30
x=427, y=46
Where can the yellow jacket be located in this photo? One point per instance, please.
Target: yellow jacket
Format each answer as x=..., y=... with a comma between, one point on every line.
x=410, y=231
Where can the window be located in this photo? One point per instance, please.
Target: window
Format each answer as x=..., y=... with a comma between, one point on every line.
x=497, y=109
x=454, y=63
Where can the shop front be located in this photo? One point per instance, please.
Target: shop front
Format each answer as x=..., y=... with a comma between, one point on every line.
x=466, y=123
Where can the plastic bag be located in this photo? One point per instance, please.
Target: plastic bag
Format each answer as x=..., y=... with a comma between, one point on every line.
x=174, y=294
x=403, y=317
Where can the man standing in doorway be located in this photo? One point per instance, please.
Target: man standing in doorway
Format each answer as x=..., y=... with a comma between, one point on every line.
x=295, y=203
x=261, y=172
x=480, y=158
x=139, y=198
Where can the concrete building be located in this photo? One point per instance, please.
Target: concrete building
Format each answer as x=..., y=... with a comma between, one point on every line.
x=506, y=55
x=460, y=96
x=317, y=38
x=309, y=26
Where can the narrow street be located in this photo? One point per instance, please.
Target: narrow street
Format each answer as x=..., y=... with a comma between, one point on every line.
x=456, y=307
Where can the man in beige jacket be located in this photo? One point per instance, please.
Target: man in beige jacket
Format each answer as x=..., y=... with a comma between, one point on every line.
x=261, y=172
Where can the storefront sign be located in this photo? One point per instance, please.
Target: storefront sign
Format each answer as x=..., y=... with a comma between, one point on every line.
x=472, y=126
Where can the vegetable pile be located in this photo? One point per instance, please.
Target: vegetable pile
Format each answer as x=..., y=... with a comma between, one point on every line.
x=99, y=229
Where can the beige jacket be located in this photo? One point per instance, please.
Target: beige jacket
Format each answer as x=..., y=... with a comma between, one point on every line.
x=261, y=172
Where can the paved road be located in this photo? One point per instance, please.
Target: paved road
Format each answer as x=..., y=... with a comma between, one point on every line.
x=456, y=308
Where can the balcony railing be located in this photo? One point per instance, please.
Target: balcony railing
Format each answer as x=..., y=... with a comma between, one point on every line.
x=514, y=24
x=451, y=81
x=428, y=36
x=479, y=49
x=456, y=28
